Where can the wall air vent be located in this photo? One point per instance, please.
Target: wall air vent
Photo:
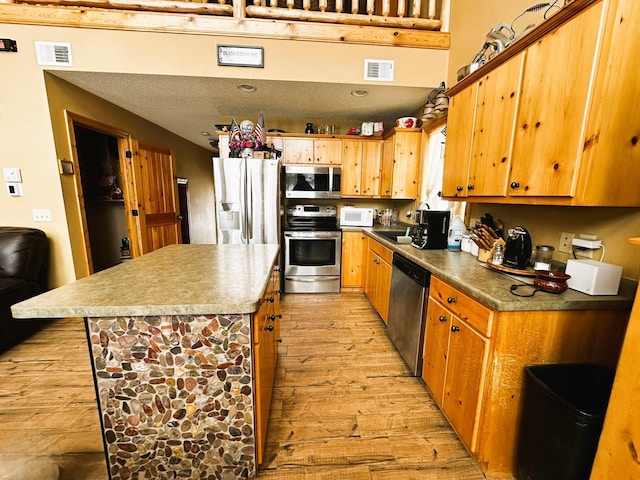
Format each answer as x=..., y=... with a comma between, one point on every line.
x=54, y=54
x=380, y=70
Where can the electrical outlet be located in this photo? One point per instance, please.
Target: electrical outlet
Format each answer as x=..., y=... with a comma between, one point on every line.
x=566, y=242
x=581, y=252
x=41, y=215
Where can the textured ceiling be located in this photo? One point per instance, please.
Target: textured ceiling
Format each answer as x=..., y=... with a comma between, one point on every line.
x=188, y=106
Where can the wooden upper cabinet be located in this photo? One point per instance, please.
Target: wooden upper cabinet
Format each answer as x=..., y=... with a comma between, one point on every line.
x=401, y=164
x=563, y=130
x=361, y=168
x=547, y=143
x=497, y=100
x=312, y=151
x=327, y=152
x=298, y=151
x=457, y=152
x=386, y=168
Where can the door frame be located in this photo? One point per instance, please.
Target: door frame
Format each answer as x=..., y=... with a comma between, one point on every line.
x=124, y=145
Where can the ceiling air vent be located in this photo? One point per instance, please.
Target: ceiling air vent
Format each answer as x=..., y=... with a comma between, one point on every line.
x=54, y=54
x=380, y=70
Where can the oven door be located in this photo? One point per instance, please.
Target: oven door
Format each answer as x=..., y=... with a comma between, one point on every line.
x=312, y=261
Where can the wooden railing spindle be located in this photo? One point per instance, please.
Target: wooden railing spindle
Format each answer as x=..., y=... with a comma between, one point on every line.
x=338, y=6
x=415, y=8
x=290, y=4
x=386, y=8
x=322, y=5
x=432, y=9
x=355, y=6
x=370, y=7
x=402, y=8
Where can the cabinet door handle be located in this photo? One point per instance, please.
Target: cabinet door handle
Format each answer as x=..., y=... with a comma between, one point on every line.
x=279, y=340
x=442, y=318
x=469, y=187
x=270, y=328
x=451, y=299
x=455, y=328
x=459, y=188
x=515, y=185
x=271, y=299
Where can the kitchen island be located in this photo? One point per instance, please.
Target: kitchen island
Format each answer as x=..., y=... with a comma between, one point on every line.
x=172, y=341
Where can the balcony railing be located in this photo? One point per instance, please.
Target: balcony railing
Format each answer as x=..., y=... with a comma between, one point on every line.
x=404, y=20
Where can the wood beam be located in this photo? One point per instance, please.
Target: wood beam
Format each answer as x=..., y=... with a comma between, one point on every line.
x=69, y=16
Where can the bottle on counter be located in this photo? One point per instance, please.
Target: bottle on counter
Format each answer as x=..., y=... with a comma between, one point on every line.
x=456, y=230
x=498, y=255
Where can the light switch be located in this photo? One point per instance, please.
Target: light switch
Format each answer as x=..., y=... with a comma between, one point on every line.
x=15, y=189
x=12, y=175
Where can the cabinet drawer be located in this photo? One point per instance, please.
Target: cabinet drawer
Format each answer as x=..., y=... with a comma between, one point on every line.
x=466, y=308
x=383, y=252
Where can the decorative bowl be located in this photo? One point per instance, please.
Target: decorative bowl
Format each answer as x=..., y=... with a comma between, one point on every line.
x=408, y=122
x=551, y=281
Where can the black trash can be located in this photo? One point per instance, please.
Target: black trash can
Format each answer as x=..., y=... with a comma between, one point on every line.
x=562, y=415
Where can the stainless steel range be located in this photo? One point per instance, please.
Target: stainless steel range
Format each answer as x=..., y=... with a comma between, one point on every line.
x=312, y=250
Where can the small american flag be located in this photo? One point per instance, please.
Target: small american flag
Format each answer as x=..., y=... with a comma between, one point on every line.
x=234, y=135
x=261, y=135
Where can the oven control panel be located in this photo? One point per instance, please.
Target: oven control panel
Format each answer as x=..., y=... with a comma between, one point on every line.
x=312, y=211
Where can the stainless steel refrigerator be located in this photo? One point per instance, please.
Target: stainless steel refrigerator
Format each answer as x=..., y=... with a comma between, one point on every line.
x=247, y=197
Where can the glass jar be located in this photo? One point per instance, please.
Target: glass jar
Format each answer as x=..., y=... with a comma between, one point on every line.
x=498, y=255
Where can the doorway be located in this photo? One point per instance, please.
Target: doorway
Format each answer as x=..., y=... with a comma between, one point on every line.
x=101, y=180
x=183, y=200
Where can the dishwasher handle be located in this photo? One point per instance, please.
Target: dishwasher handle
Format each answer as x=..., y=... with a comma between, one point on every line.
x=418, y=274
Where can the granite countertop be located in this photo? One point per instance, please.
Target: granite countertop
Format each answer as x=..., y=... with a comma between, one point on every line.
x=174, y=280
x=493, y=288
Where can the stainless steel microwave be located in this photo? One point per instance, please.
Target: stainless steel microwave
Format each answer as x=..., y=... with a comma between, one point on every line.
x=301, y=181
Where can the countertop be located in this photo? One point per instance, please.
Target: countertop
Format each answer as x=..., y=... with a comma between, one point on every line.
x=174, y=280
x=492, y=288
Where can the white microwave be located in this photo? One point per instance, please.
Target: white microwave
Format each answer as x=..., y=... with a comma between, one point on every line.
x=356, y=217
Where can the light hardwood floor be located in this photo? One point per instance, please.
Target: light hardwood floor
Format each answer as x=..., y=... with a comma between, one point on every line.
x=344, y=407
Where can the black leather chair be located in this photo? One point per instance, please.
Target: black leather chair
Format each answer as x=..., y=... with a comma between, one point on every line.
x=24, y=261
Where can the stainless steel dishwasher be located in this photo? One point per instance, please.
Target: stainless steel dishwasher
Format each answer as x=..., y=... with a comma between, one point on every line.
x=406, y=324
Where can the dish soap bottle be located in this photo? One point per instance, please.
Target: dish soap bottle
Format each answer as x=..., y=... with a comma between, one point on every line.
x=456, y=230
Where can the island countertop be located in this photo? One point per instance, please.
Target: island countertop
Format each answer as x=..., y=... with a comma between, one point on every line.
x=174, y=280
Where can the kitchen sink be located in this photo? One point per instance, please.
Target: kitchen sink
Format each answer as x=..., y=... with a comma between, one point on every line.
x=391, y=234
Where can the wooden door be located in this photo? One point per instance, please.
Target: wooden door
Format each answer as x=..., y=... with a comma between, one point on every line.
x=386, y=168
x=371, y=159
x=351, y=178
x=353, y=250
x=465, y=376
x=457, y=152
x=551, y=116
x=328, y=152
x=383, y=280
x=436, y=347
x=298, y=151
x=406, y=164
x=153, y=205
x=496, y=106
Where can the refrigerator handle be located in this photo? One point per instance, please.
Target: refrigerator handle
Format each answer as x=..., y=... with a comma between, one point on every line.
x=243, y=199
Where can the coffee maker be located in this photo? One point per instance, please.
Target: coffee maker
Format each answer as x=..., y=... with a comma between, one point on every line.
x=517, y=251
x=431, y=229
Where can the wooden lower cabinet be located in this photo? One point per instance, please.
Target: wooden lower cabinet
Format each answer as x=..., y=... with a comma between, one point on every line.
x=266, y=335
x=474, y=360
x=378, y=277
x=354, y=247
